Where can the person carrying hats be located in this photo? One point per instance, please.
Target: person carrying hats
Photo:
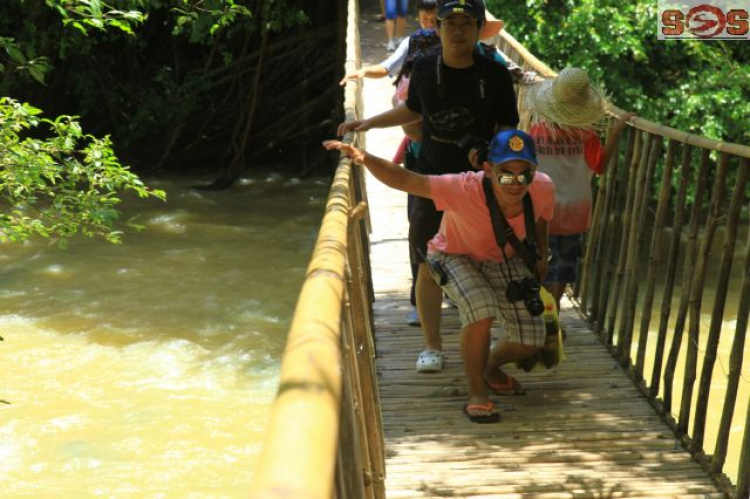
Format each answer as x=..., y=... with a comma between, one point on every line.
x=466, y=256
x=568, y=111
x=457, y=93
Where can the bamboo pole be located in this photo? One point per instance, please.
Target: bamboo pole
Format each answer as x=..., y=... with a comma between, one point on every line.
x=696, y=294
x=687, y=272
x=613, y=242
x=743, y=474
x=349, y=465
x=674, y=249
x=626, y=217
x=654, y=258
x=638, y=216
x=592, y=238
x=607, y=185
x=364, y=353
x=359, y=467
x=717, y=315
x=735, y=362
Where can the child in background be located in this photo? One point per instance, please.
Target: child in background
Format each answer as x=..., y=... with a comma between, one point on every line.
x=568, y=111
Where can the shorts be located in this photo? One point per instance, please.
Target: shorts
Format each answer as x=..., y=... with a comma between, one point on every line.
x=566, y=253
x=424, y=223
x=478, y=288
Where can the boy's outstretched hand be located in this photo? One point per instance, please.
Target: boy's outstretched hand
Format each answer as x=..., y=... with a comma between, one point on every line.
x=356, y=155
x=356, y=125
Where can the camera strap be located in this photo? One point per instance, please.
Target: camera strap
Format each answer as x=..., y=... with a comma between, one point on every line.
x=527, y=249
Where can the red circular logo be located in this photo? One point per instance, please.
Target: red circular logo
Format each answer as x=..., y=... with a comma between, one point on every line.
x=705, y=21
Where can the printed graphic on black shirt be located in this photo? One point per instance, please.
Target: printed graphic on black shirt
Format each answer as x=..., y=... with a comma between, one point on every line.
x=454, y=119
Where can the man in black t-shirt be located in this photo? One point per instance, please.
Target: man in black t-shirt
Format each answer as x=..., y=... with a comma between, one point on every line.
x=456, y=93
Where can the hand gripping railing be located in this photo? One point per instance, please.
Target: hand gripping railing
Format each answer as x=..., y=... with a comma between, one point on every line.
x=324, y=438
x=644, y=193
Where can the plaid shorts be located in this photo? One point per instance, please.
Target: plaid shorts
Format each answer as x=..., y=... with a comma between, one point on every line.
x=478, y=288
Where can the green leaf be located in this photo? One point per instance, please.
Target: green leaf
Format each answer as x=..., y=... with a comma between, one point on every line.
x=15, y=54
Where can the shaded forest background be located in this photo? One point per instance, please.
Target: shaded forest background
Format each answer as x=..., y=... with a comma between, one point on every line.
x=218, y=85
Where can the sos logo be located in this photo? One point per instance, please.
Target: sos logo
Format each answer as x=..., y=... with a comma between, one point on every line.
x=717, y=21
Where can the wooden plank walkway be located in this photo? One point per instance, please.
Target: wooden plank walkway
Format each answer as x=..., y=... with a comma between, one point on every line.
x=583, y=430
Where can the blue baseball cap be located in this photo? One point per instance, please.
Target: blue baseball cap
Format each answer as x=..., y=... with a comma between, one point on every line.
x=512, y=144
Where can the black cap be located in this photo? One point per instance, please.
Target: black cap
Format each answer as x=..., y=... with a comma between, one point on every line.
x=472, y=8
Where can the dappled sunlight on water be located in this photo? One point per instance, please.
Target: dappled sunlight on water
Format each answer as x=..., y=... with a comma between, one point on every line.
x=147, y=369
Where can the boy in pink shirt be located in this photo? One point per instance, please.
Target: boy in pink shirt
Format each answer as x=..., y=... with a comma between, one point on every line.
x=487, y=281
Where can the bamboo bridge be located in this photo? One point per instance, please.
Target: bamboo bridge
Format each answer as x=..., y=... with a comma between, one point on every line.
x=353, y=419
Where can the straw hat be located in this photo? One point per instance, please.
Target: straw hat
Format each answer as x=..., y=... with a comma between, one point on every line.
x=491, y=26
x=570, y=100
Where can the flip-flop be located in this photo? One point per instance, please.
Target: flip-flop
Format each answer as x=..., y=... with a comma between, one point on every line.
x=510, y=386
x=493, y=417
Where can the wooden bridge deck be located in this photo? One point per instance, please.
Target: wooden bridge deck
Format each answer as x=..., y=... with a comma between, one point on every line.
x=582, y=430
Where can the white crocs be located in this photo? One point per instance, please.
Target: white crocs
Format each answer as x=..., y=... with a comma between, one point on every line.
x=430, y=361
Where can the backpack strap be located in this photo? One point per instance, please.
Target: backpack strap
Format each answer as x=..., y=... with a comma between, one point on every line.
x=526, y=250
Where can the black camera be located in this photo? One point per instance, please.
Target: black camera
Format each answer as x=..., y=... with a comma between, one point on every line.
x=469, y=142
x=527, y=289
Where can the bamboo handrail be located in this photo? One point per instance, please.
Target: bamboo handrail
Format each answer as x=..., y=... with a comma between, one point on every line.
x=626, y=217
x=324, y=437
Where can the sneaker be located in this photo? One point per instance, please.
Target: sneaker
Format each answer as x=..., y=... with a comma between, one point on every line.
x=391, y=47
x=430, y=361
x=412, y=318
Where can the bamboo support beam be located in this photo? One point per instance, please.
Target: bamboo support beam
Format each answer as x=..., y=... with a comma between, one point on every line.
x=613, y=241
x=714, y=331
x=743, y=482
x=626, y=221
x=735, y=363
x=654, y=262
x=696, y=294
x=687, y=272
x=640, y=209
x=592, y=238
x=674, y=250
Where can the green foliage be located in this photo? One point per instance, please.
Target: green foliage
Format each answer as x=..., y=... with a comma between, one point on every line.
x=57, y=181
x=697, y=86
x=14, y=57
x=85, y=15
x=57, y=186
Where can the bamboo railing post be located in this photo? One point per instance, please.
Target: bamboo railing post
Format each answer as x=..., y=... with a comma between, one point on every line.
x=674, y=249
x=349, y=456
x=592, y=237
x=735, y=362
x=613, y=242
x=364, y=353
x=696, y=294
x=654, y=258
x=359, y=467
x=625, y=230
x=638, y=217
x=717, y=315
x=687, y=272
x=607, y=185
x=743, y=481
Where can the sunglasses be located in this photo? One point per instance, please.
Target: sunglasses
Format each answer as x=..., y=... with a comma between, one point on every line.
x=509, y=178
